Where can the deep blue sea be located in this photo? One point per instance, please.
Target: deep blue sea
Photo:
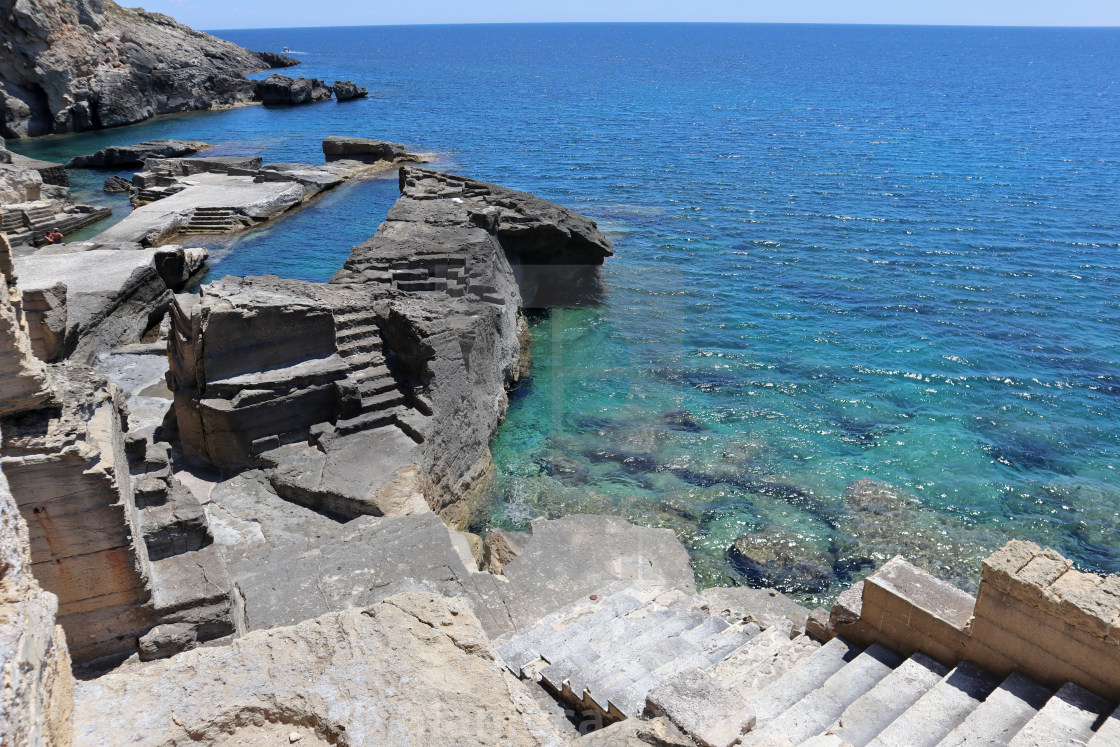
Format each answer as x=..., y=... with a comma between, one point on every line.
x=842, y=252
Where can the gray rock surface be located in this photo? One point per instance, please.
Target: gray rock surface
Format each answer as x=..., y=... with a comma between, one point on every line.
x=337, y=147
x=79, y=304
x=280, y=90
x=344, y=90
x=658, y=732
x=89, y=64
x=117, y=184
x=416, y=669
x=124, y=156
x=274, y=60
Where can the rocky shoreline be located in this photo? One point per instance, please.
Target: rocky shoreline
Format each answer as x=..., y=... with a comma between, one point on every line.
x=239, y=515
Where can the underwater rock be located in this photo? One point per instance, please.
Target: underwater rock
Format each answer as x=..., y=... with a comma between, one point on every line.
x=784, y=560
x=682, y=420
x=564, y=468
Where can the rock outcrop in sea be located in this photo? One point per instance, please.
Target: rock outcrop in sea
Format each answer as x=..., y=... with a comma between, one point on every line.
x=88, y=64
x=379, y=392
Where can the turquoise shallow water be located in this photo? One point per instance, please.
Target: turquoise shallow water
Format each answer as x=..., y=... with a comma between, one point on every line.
x=842, y=253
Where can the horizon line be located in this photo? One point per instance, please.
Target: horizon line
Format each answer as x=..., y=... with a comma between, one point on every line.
x=669, y=23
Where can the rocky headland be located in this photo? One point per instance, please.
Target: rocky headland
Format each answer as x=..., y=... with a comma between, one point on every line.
x=77, y=65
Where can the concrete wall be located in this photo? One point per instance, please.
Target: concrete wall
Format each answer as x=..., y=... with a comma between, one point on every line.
x=1034, y=614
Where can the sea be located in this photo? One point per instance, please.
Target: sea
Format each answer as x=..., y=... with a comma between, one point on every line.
x=843, y=254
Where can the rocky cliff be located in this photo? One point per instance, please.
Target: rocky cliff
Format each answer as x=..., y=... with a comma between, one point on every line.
x=72, y=65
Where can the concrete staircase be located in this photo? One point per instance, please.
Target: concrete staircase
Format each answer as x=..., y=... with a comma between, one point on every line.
x=643, y=651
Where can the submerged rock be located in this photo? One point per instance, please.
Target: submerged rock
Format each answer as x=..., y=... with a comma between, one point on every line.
x=344, y=90
x=122, y=156
x=280, y=90
x=783, y=559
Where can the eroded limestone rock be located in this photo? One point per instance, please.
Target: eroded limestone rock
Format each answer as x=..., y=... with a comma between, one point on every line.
x=24, y=381
x=36, y=698
x=415, y=669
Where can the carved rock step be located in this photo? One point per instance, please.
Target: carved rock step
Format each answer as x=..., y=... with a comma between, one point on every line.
x=1108, y=733
x=1002, y=715
x=1068, y=718
x=609, y=658
x=804, y=677
x=940, y=710
x=872, y=712
x=813, y=713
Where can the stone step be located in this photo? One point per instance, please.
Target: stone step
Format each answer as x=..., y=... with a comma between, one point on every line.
x=1108, y=733
x=373, y=387
x=1002, y=715
x=553, y=633
x=634, y=659
x=709, y=713
x=654, y=652
x=366, y=421
x=409, y=274
x=579, y=668
x=415, y=286
x=383, y=401
x=872, y=712
x=1069, y=717
x=940, y=710
x=804, y=677
x=698, y=654
x=814, y=713
x=764, y=659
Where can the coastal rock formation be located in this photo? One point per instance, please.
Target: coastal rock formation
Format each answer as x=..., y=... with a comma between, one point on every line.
x=81, y=303
x=24, y=381
x=276, y=60
x=344, y=90
x=117, y=184
x=337, y=148
x=88, y=64
x=280, y=90
x=125, y=156
x=123, y=546
x=326, y=681
x=407, y=353
x=36, y=698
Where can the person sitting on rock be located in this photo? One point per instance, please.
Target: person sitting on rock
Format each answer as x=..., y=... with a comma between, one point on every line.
x=53, y=237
